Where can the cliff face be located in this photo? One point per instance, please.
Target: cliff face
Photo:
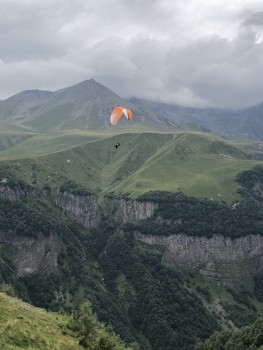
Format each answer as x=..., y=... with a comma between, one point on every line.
x=127, y=210
x=220, y=259
x=39, y=254
x=81, y=209
x=31, y=254
x=13, y=195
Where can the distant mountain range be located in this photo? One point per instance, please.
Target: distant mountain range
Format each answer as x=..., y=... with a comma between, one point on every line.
x=243, y=124
x=87, y=106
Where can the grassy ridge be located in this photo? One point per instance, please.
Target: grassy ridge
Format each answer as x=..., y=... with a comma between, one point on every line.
x=199, y=164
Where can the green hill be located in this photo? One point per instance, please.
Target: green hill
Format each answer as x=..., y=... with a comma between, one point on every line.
x=196, y=163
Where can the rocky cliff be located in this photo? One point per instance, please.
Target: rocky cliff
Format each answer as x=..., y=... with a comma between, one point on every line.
x=83, y=209
x=128, y=210
x=39, y=253
x=31, y=254
x=15, y=193
x=220, y=259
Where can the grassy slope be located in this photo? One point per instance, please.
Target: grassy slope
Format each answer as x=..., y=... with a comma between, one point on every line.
x=34, y=145
x=23, y=326
x=44, y=144
x=199, y=164
x=195, y=163
x=11, y=135
x=51, y=119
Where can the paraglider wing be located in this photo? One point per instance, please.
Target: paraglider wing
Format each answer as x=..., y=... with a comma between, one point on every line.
x=128, y=113
x=118, y=112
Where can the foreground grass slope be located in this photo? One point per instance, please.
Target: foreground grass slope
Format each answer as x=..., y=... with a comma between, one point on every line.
x=23, y=326
x=199, y=164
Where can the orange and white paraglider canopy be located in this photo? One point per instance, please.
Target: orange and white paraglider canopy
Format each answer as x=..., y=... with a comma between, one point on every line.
x=118, y=112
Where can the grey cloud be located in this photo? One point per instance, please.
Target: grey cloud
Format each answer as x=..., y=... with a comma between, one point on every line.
x=30, y=30
x=29, y=46
x=254, y=19
x=218, y=71
x=134, y=49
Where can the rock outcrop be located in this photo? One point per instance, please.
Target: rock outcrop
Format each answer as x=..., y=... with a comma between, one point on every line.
x=31, y=254
x=14, y=194
x=39, y=253
x=220, y=259
x=83, y=209
x=128, y=210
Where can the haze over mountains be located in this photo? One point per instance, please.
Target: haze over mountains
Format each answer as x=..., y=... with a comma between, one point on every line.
x=88, y=104
x=243, y=124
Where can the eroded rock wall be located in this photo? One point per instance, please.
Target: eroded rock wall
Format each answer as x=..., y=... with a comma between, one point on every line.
x=83, y=209
x=221, y=259
x=8, y=193
x=128, y=210
x=30, y=255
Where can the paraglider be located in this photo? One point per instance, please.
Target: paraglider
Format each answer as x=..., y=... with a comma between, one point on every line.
x=116, y=115
x=118, y=112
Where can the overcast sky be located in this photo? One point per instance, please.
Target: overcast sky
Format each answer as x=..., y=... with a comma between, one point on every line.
x=187, y=52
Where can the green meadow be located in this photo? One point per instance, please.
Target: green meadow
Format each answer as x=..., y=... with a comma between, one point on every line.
x=197, y=163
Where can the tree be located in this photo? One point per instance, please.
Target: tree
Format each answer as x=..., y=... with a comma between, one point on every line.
x=87, y=324
x=84, y=324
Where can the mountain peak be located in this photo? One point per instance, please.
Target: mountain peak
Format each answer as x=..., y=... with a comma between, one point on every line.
x=85, y=83
x=90, y=87
x=84, y=105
